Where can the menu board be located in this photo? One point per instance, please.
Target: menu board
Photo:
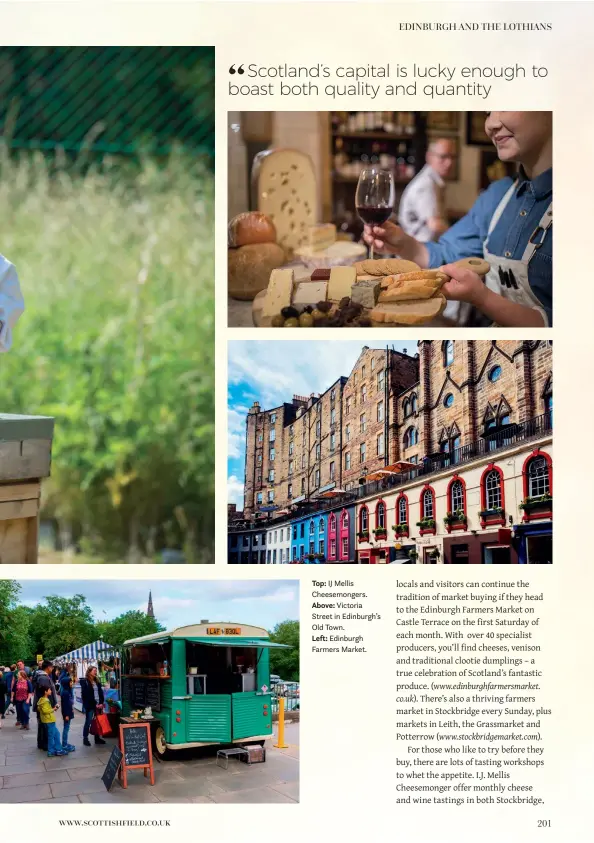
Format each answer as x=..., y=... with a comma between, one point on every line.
x=111, y=768
x=145, y=692
x=136, y=746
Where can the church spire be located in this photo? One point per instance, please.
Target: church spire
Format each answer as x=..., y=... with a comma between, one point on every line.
x=150, y=611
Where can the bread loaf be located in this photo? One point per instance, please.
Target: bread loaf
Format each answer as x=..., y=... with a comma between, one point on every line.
x=249, y=268
x=407, y=288
x=409, y=312
x=421, y=275
x=385, y=266
x=249, y=228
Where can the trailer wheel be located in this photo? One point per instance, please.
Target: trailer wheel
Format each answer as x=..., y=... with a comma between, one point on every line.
x=160, y=744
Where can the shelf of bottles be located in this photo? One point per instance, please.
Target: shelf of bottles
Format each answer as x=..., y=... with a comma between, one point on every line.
x=393, y=139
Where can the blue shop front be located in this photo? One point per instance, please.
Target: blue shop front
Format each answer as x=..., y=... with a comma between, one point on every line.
x=534, y=542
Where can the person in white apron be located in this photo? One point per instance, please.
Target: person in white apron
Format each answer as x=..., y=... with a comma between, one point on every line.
x=510, y=226
x=11, y=302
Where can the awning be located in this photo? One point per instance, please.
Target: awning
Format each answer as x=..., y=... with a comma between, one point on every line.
x=396, y=468
x=95, y=651
x=240, y=642
x=332, y=493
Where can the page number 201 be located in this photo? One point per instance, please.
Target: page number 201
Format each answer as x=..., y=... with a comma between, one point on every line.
x=544, y=823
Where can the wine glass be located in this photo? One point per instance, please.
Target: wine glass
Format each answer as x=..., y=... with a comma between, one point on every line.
x=374, y=199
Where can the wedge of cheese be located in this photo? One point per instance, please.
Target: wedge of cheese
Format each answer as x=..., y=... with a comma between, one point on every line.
x=279, y=292
x=321, y=236
x=310, y=293
x=341, y=282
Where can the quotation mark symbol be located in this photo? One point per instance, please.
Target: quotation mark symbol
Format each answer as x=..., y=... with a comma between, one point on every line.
x=239, y=70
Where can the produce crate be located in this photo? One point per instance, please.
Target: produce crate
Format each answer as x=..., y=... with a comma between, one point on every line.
x=25, y=458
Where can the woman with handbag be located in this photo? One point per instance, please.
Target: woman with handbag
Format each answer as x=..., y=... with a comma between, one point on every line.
x=22, y=694
x=92, y=702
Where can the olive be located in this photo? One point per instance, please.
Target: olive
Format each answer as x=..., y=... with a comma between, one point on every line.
x=306, y=320
x=308, y=309
x=291, y=323
x=290, y=313
x=324, y=306
x=317, y=314
x=344, y=302
x=364, y=322
x=277, y=321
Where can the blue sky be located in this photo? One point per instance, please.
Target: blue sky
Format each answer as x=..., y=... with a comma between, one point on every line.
x=176, y=602
x=271, y=373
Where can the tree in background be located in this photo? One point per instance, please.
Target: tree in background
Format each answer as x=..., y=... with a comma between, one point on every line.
x=15, y=642
x=285, y=663
x=131, y=624
x=61, y=624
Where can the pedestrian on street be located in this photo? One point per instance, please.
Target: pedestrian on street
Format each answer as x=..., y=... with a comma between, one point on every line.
x=47, y=715
x=42, y=684
x=2, y=695
x=8, y=677
x=22, y=694
x=67, y=706
x=92, y=702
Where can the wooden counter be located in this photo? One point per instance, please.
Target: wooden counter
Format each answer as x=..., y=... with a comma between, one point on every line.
x=25, y=459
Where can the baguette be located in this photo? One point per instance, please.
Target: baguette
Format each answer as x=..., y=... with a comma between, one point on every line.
x=409, y=312
x=385, y=266
x=421, y=275
x=419, y=288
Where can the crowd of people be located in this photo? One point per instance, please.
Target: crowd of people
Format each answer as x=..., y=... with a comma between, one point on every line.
x=47, y=689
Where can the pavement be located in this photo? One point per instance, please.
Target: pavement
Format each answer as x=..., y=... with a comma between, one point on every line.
x=28, y=775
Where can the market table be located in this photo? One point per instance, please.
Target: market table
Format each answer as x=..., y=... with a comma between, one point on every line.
x=25, y=459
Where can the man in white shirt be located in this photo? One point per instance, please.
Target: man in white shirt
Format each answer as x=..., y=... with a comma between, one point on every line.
x=422, y=212
x=11, y=302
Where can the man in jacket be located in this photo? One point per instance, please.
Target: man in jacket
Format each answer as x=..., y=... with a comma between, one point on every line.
x=42, y=683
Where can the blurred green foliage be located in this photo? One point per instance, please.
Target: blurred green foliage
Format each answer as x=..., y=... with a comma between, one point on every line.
x=117, y=343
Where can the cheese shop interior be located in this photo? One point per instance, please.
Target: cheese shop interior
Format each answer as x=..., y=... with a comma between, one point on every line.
x=334, y=147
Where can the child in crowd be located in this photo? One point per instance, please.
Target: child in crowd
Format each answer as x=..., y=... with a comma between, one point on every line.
x=47, y=715
x=67, y=700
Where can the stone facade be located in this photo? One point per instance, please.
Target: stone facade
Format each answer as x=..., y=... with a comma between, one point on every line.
x=393, y=406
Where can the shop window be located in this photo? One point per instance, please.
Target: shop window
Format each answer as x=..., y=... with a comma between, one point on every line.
x=448, y=352
x=492, y=484
x=380, y=516
x=402, y=509
x=364, y=520
x=427, y=504
x=411, y=437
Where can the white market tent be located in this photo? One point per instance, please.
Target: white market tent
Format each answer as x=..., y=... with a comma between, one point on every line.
x=89, y=653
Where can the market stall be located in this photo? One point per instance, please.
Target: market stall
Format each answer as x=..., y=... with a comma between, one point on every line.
x=90, y=655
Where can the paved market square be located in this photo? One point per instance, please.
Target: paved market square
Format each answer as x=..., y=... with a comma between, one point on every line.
x=28, y=775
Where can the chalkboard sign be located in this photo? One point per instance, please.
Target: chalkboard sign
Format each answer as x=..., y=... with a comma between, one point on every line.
x=136, y=746
x=138, y=699
x=135, y=743
x=111, y=769
x=153, y=694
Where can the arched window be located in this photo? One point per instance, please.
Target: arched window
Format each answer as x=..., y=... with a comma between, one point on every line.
x=411, y=437
x=403, y=510
x=380, y=515
x=413, y=404
x=312, y=528
x=537, y=472
x=457, y=496
x=406, y=408
x=322, y=525
x=332, y=523
x=364, y=519
x=493, y=489
x=344, y=521
x=448, y=352
x=427, y=504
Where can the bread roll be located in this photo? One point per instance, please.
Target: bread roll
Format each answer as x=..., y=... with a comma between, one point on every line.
x=250, y=228
x=249, y=268
x=409, y=312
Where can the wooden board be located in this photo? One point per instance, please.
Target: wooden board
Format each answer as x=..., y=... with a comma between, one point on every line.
x=19, y=523
x=29, y=459
x=478, y=265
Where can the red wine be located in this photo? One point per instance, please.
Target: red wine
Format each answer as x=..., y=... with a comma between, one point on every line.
x=374, y=214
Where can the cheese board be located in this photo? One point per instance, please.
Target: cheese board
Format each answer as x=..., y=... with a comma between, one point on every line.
x=367, y=294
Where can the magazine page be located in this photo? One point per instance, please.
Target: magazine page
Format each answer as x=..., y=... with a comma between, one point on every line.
x=217, y=536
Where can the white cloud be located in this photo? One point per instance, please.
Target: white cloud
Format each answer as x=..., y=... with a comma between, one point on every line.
x=235, y=491
x=236, y=431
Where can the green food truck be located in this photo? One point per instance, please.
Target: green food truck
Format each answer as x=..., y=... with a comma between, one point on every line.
x=206, y=684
